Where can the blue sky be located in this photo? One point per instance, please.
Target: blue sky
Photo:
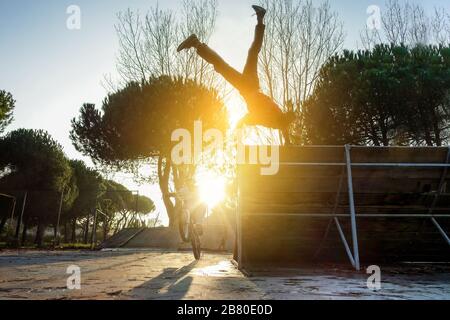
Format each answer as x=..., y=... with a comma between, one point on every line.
x=51, y=70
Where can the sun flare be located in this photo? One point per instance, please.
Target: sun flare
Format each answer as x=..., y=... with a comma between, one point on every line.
x=211, y=188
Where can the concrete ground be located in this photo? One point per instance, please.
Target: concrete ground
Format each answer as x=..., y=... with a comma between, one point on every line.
x=150, y=274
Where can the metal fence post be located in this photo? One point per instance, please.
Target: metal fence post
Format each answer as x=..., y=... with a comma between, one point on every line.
x=19, y=219
x=94, y=231
x=12, y=213
x=137, y=202
x=436, y=198
x=344, y=241
x=58, y=219
x=352, y=207
x=239, y=237
x=441, y=231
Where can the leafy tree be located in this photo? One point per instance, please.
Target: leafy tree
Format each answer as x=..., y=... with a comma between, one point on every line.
x=6, y=205
x=90, y=188
x=426, y=95
x=120, y=208
x=387, y=95
x=329, y=114
x=114, y=203
x=136, y=124
x=38, y=165
x=7, y=104
x=110, y=198
x=144, y=206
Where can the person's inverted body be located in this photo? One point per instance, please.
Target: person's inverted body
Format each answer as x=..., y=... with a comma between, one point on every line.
x=262, y=110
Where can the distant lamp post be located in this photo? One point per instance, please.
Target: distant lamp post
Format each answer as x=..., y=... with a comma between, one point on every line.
x=56, y=240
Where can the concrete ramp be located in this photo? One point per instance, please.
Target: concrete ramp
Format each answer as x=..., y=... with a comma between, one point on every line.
x=213, y=239
x=165, y=238
x=121, y=238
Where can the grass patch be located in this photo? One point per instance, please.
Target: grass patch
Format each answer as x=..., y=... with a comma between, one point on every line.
x=74, y=246
x=49, y=246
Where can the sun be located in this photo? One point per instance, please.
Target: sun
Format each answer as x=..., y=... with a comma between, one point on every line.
x=211, y=188
x=236, y=109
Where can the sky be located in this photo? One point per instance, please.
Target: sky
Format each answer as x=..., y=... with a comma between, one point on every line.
x=52, y=70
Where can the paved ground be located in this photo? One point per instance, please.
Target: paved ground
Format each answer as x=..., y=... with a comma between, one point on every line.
x=173, y=275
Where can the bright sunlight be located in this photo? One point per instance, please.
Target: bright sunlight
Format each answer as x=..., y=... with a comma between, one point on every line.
x=211, y=187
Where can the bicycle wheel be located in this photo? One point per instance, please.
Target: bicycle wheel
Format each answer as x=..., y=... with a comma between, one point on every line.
x=195, y=242
x=183, y=225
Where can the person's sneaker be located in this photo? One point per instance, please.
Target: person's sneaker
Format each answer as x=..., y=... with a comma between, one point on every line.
x=260, y=11
x=190, y=42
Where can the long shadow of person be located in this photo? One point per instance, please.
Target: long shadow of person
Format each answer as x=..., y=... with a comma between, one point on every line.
x=171, y=284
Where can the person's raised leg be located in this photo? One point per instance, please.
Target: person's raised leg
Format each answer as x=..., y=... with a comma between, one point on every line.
x=251, y=66
x=260, y=13
x=209, y=55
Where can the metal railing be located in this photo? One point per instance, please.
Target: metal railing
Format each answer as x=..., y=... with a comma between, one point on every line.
x=348, y=165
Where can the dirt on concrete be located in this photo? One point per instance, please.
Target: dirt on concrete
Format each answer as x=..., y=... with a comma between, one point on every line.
x=153, y=274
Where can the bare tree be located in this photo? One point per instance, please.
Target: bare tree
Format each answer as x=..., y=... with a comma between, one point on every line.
x=396, y=21
x=147, y=44
x=419, y=30
x=440, y=26
x=160, y=32
x=300, y=37
x=131, y=63
x=408, y=23
x=199, y=17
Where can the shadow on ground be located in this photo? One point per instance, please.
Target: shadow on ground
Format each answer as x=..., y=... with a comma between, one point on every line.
x=171, y=284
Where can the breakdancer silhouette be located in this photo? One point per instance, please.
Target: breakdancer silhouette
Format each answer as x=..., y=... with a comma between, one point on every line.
x=262, y=110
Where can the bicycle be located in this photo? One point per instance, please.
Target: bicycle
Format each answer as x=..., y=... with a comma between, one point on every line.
x=187, y=226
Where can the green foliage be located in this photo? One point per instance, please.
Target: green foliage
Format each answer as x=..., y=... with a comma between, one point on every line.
x=108, y=196
x=38, y=165
x=38, y=162
x=118, y=198
x=75, y=246
x=90, y=188
x=34, y=163
x=137, y=121
x=7, y=104
x=122, y=208
x=145, y=205
x=389, y=95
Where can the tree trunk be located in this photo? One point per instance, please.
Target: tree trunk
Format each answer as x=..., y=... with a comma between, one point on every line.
x=164, y=177
x=40, y=233
x=428, y=139
x=374, y=135
x=74, y=230
x=24, y=231
x=437, y=135
x=66, y=232
x=86, y=230
x=2, y=223
x=105, y=228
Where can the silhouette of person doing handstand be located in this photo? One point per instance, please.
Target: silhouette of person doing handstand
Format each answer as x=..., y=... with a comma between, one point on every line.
x=262, y=110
